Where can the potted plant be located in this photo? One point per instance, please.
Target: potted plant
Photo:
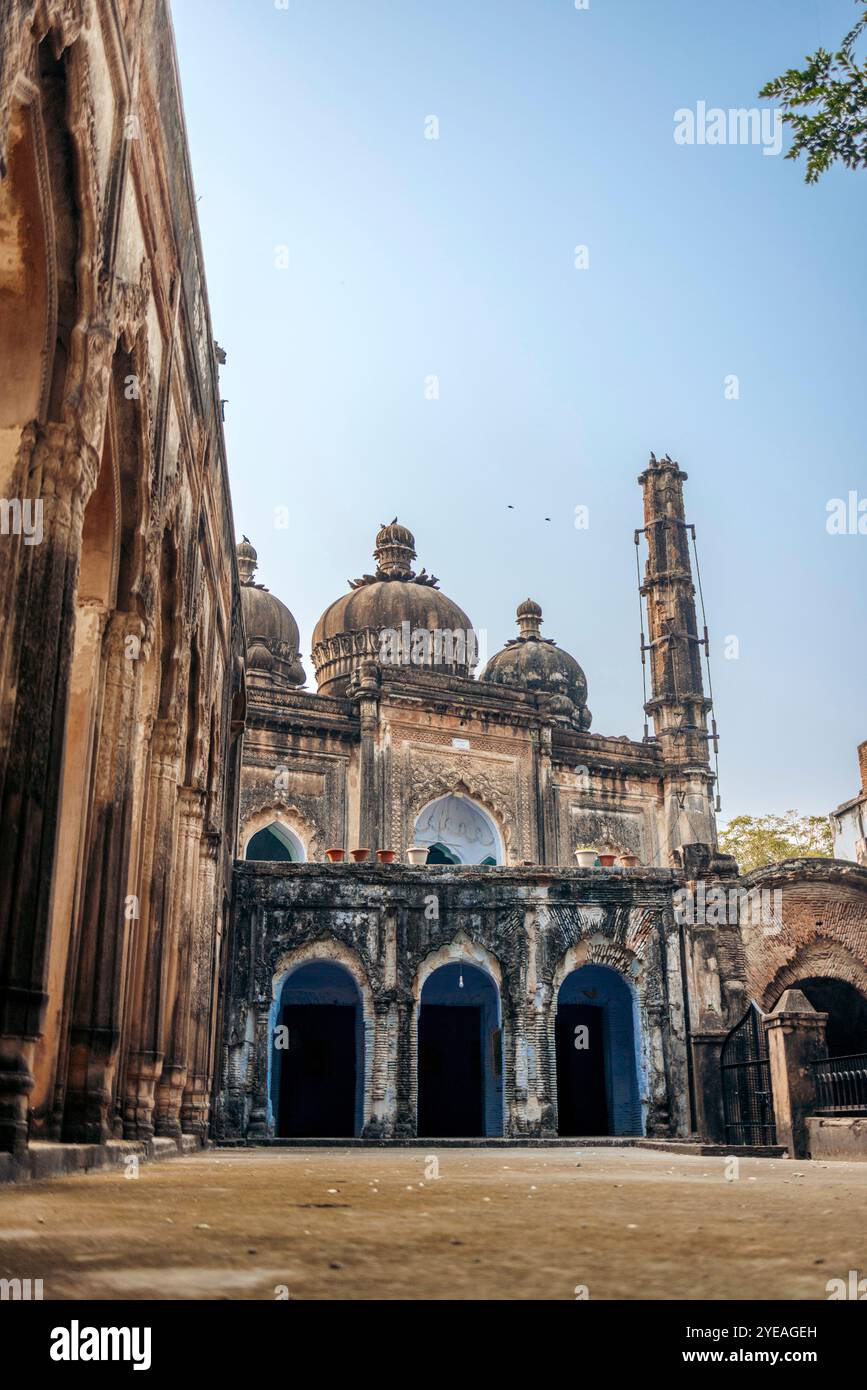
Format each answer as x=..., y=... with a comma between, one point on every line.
x=628, y=860
x=335, y=855
x=417, y=854
x=385, y=856
x=360, y=855
x=586, y=856
x=606, y=860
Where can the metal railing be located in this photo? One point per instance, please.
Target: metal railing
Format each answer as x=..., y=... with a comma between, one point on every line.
x=841, y=1084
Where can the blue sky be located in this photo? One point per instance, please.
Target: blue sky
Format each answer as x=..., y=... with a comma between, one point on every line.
x=408, y=257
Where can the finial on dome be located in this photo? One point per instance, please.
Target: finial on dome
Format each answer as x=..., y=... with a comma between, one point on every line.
x=529, y=617
x=247, y=559
x=395, y=550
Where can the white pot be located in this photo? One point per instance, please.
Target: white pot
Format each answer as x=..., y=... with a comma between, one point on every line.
x=417, y=854
x=586, y=858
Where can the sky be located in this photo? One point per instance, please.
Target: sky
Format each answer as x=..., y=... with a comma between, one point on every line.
x=410, y=330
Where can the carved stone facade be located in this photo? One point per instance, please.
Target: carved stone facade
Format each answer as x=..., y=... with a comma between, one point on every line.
x=392, y=928
x=121, y=659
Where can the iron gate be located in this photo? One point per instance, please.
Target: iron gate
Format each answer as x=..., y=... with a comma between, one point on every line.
x=746, y=1083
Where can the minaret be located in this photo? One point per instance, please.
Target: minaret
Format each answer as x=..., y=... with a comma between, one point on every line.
x=678, y=704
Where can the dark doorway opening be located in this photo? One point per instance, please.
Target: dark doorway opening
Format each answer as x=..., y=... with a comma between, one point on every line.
x=459, y=1055
x=581, y=1098
x=595, y=1033
x=317, y=1083
x=449, y=1059
x=846, y=1008
x=317, y=1055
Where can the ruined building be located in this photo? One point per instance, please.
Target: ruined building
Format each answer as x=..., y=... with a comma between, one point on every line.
x=422, y=900
x=121, y=650
x=480, y=983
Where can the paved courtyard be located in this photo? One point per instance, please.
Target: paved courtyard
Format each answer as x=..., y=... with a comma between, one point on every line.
x=495, y=1223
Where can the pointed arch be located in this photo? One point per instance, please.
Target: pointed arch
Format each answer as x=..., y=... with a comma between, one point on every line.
x=461, y=829
x=336, y=953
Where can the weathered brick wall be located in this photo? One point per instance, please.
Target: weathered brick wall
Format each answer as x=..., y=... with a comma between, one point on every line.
x=823, y=931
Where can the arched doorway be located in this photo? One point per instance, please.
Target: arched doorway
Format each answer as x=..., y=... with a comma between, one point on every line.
x=846, y=1008
x=317, y=1073
x=275, y=843
x=460, y=1069
x=458, y=830
x=595, y=1035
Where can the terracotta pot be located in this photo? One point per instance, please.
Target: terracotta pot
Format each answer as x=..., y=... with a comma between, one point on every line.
x=336, y=856
x=586, y=858
x=628, y=861
x=417, y=854
x=360, y=855
x=606, y=861
x=385, y=856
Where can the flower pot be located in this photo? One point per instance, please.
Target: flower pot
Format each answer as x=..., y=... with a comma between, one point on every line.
x=586, y=857
x=628, y=861
x=360, y=855
x=336, y=856
x=417, y=854
x=385, y=856
x=606, y=861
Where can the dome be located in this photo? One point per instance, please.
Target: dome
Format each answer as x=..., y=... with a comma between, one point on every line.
x=533, y=662
x=272, y=632
x=393, y=617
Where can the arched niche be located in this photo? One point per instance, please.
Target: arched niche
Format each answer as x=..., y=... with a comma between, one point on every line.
x=597, y=1050
x=458, y=830
x=460, y=1054
x=846, y=1007
x=275, y=843
x=437, y=984
x=325, y=975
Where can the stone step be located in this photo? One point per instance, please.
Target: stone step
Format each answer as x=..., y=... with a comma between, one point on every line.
x=687, y=1147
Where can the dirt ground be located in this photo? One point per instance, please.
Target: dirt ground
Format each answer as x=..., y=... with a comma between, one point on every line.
x=495, y=1223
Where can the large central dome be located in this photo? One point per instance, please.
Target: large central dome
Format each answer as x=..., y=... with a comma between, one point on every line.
x=394, y=617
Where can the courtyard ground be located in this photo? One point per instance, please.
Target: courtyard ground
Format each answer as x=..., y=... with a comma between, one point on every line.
x=496, y=1223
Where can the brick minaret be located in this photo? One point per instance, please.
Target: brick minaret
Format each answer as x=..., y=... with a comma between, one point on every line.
x=678, y=704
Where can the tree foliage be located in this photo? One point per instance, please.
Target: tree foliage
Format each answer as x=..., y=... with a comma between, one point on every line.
x=825, y=106
x=758, y=840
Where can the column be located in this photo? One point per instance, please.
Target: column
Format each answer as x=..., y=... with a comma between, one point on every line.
x=177, y=968
x=796, y=1039
x=62, y=473
x=147, y=1049
x=103, y=939
x=195, y=1108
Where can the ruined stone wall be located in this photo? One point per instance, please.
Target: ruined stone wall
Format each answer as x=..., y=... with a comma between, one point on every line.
x=392, y=927
x=121, y=671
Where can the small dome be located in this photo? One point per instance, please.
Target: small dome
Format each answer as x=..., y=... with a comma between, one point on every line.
x=247, y=558
x=394, y=616
x=533, y=662
x=272, y=632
